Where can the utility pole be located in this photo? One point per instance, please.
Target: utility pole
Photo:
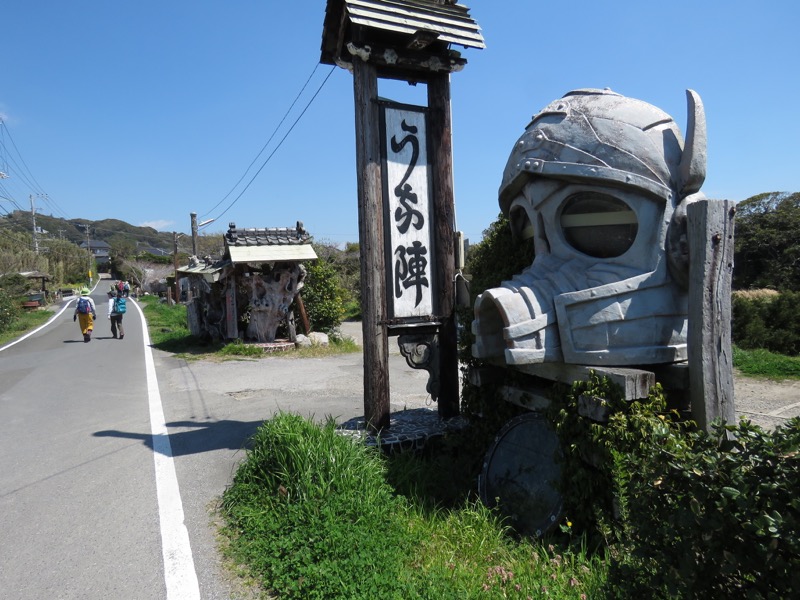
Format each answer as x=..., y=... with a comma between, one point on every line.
x=88, y=249
x=33, y=220
x=175, y=236
x=194, y=233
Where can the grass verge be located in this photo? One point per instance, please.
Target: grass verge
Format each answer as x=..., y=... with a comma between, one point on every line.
x=25, y=322
x=763, y=363
x=315, y=514
x=169, y=332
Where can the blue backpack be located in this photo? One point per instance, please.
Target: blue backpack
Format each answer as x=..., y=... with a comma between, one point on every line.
x=120, y=306
x=84, y=307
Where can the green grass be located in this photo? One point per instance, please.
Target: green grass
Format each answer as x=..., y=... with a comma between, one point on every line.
x=314, y=514
x=763, y=363
x=169, y=332
x=25, y=322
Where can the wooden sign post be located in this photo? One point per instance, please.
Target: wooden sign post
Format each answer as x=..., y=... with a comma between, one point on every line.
x=408, y=41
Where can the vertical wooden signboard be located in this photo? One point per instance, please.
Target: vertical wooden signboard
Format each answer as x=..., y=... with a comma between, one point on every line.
x=408, y=215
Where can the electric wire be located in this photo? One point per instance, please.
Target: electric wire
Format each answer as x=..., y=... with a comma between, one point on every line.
x=264, y=164
x=264, y=147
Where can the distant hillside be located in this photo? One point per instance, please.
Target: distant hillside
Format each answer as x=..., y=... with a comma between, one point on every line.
x=111, y=231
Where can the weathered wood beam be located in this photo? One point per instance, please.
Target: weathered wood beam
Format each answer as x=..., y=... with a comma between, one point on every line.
x=440, y=135
x=370, y=232
x=710, y=232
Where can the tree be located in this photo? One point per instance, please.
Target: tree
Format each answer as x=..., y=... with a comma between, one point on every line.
x=147, y=275
x=767, y=242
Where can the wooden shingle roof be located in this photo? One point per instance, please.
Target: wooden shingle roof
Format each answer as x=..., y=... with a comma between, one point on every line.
x=447, y=23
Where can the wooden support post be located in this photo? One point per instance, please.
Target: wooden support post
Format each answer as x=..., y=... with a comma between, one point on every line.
x=370, y=232
x=301, y=308
x=710, y=232
x=440, y=132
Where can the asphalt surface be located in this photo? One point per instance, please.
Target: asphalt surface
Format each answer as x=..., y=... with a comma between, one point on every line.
x=83, y=511
x=85, y=508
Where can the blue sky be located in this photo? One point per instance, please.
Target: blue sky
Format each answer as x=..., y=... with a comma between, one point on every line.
x=147, y=111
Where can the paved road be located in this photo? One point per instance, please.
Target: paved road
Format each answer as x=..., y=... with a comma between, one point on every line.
x=110, y=475
x=114, y=455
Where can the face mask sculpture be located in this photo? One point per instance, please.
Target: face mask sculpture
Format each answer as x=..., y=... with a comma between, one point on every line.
x=601, y=183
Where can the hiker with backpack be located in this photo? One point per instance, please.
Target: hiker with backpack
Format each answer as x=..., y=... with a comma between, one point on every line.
x=85, y=313
x=117, y=307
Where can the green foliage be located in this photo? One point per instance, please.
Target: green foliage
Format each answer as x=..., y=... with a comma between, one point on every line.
x=347, y=265
x=239, y=348
x=768, y=322
x=322, y=296
x=312, y=515
x=497, y=257
x=14, y=284
x=168, y=325
x=23, y=322
x=684, y=514
x=60, y=259
x=9, y=310
x=767, y=242
x=590, y=484
x=712, y=518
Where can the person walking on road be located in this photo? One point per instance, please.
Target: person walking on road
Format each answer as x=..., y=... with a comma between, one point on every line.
x=116, y=309
x=85, y=313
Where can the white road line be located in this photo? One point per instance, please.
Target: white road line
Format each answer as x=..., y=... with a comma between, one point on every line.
x=179, y=572
x=50, y=320
x=30, y=333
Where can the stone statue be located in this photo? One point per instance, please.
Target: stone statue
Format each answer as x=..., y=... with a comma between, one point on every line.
x=600, y=183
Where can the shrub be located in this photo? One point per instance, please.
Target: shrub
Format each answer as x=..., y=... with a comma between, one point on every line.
x=322, y=297
x=8, y=310
x=14, y=284
x=315, y=517
x=684, y=514
x=771, y=322
x=708, y=518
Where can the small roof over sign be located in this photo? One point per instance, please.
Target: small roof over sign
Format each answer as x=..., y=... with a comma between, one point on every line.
x=271, y=244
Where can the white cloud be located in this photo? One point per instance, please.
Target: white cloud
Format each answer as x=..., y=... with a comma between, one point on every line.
x=158, y=225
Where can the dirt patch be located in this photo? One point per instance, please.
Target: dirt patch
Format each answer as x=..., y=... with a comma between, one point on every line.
x=765, y=402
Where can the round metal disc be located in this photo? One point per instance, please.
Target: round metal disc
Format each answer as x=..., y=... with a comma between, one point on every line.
x=521, y=473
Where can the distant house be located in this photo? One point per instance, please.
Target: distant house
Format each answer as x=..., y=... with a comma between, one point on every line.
x=98, y=248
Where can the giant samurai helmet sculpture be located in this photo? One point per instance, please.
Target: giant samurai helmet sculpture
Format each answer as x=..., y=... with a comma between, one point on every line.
x=600, y=182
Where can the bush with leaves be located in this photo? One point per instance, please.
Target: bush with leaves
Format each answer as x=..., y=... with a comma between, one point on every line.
x=768, y=322
x=712, y=518
x=315, y=516
x=322, y=297
x=8, y=310
x=683, y=513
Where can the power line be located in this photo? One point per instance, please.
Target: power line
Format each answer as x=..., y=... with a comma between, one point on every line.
x=7, y=132
x=264, y=164
x=23, y=172
x=275, y=131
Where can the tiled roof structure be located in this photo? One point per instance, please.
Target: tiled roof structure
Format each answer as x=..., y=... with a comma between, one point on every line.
x=268, y=236
x=270, y=244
